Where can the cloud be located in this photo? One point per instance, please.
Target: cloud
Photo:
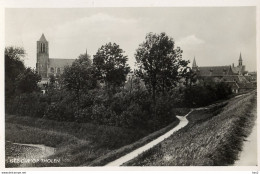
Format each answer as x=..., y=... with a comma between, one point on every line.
x=97, y=23
x=190, y=40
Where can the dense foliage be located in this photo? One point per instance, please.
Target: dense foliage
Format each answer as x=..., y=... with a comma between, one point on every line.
x=26, y=81
x=111, y=65
x=100, y=92
x=206, y=93
x=13, y=67
x=159, y=64
x=18, y=78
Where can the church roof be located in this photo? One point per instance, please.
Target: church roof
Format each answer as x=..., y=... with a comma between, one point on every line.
x=53, y=62
x=214, y=70
x=236, y=78
x=231, y=78
x=43, y=39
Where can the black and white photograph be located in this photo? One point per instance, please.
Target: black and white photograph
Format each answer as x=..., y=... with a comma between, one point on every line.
x=130, y=86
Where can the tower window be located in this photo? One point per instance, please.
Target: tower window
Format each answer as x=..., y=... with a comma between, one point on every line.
x=42, y=47
x=52, y=70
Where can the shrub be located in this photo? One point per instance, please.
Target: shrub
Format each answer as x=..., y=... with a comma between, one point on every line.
x=201, y=95
x=32, y=104
x=133, y=116
x=61, y=111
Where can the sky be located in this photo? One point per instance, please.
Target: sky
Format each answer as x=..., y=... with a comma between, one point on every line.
x=215, y=36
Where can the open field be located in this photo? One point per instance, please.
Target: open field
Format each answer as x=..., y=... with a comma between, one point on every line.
x=213, y=137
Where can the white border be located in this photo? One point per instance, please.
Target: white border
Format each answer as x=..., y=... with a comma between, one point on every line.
x=116, y=3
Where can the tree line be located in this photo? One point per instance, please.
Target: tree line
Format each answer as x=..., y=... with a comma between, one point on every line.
x=99, y=91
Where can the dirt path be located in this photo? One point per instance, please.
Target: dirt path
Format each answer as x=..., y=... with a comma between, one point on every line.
x=33, y=152
x=135, y=153
x=44, y=150
x=248, y=156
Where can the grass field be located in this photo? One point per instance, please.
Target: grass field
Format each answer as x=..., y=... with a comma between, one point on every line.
x=76, y=144
x=213, y=137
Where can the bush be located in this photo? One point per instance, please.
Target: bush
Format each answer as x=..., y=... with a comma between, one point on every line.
x=164, y=113
x=133, y=116
x=32, y=104
x=62, y=106
x=202, y=95
x=61, y=112
x=134, y=110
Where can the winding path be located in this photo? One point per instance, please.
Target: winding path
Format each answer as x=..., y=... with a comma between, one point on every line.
x=140, y=150
x=183, y=122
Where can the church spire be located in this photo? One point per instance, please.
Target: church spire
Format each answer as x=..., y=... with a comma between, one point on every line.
x=194, y=65
x=240, y=60
x=43, y=39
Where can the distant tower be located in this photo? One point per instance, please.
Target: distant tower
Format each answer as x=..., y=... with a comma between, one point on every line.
x=240, y=60
x=194, y=65
x=42, y=57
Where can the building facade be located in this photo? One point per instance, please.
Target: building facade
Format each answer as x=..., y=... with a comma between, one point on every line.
x=46, y=66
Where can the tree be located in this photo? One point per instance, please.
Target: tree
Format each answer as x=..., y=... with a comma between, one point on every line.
x=159, y=64
x=52, y=79
x=13, y=67
x=134, y=83
x=190, y=77
x=84, y=59
x=18, y=78
x=26, y=82
x=110, y=65
x=79, y=77
x=50, y=86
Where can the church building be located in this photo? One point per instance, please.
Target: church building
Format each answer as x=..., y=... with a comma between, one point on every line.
x=220, y=71
x=233, y=75
x=45, y=66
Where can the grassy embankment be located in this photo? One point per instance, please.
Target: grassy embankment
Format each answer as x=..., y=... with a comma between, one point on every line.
x=213, y=137
x=115, y=154
x=76, y=143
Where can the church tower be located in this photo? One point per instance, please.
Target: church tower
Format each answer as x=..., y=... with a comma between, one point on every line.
x=240, y=60
x=42, y=57
x=194, y=64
